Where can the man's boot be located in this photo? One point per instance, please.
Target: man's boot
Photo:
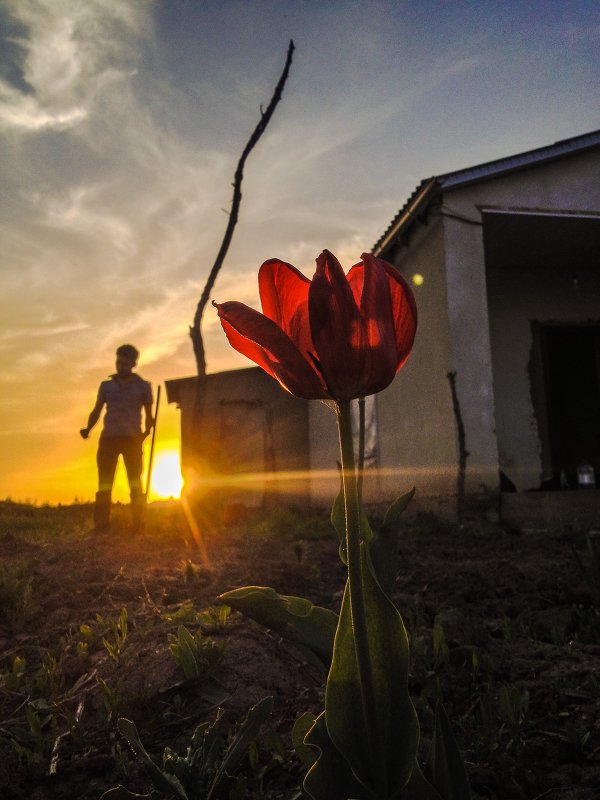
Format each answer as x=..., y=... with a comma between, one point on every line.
x=102, y=511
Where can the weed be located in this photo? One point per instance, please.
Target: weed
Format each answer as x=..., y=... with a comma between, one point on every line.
x=190, y=572
x=32, y=735
x=110, y=699
x=195, y=654
x=46, y=681
x=211, y=766
x=212, y=618
x=16, y=594
x=14, y=678
x=114, y=642
x=289, y=523
x=513, y=706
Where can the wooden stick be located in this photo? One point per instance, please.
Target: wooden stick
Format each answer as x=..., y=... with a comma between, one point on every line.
x=150, y=462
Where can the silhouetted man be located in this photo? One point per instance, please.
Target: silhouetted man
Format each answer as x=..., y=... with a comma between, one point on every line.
x=124, y=394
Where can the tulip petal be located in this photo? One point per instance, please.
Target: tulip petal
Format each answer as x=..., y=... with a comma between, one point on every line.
x=337, y=329
x=284, y=298
x=368, y=281
x=262, y=341
x=404, y=310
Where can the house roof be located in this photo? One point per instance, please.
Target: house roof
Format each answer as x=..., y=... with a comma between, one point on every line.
x=429, y=188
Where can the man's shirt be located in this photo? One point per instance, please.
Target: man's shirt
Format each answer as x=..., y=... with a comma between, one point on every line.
x=124, y=401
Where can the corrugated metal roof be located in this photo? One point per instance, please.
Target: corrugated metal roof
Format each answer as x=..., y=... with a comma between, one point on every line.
x=431, y=187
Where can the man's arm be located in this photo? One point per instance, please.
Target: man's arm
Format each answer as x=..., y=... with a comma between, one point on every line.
x=148, y=419
x=92, y=419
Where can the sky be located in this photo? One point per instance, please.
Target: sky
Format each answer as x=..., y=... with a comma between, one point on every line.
x=121, y=123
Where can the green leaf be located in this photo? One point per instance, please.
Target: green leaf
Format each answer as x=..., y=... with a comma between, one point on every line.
x=168, y=784
x=299, y=731
x=418, y=788
x=385, y=763
x=330, y=777
x=294, y=618
x=398, y=507
x=383, y=548
x=238, y=748
x=338, y=520
x=446, y=766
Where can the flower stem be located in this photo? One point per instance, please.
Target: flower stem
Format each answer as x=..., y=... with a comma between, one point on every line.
x=355, y=580
x=361, y=446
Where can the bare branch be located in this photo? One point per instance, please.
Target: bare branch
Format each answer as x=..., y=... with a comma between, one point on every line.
x=195, y=328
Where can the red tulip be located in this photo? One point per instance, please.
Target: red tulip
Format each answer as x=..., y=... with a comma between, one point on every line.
x=337, y=336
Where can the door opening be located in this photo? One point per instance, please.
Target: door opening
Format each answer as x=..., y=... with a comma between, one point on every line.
x=572, y=367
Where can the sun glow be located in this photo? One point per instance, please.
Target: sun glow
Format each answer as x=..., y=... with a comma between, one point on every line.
x=166, y=478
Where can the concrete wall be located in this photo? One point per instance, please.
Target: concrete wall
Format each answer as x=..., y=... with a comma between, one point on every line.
x=470, y=350
x=516, y=297
x=417, y=431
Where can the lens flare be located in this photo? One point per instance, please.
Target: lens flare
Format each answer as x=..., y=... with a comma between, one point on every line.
x=166, y=478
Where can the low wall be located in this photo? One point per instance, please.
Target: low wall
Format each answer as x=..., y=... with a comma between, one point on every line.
x=547, y=511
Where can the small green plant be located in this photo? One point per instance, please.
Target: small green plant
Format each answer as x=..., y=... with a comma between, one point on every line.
x=195, y=654
x=16, y=594
x=46, y=681
x=513, y=706
x=190, y=571
x=212, y=618
x=211, y=766
x=32, y=735
x=14, y=678
x=110, y=700
x=82, y=649
x=114, y=641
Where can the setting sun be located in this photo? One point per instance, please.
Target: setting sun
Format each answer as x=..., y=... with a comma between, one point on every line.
x=166, y=478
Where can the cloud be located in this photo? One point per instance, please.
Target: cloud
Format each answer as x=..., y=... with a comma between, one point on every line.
x=69, y=52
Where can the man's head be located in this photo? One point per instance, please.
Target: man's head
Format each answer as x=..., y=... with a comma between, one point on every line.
x=127, y=357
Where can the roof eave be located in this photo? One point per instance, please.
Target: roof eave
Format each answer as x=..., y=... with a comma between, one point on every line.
x=408, y=214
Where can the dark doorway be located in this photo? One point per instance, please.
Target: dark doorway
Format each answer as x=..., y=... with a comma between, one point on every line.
x=572, y=361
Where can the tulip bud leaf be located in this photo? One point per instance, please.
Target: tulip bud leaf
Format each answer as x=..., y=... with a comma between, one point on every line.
x=338, y=520
x=383, y=765
x=301, y=727
x=330, y=777
x=383, y=548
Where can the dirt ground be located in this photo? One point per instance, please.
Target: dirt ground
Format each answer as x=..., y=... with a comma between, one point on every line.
x=502, y=627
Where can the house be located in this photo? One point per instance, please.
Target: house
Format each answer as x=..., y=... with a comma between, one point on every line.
x=502, y=390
